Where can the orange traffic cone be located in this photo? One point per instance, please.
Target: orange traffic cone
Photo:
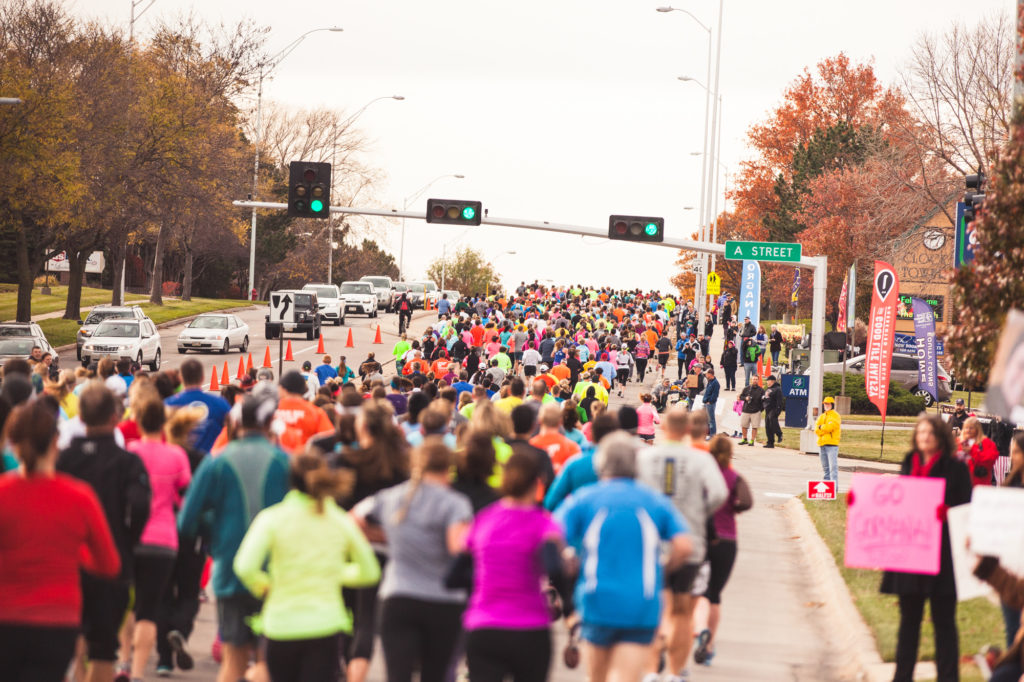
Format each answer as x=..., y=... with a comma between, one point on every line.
x=376, y=339
x=320, y=346
x=349, y=343
x=214, y=386
x=266, y=359
x=241, y=368
x=288, y=353
x=248, y=363
x=224, y=379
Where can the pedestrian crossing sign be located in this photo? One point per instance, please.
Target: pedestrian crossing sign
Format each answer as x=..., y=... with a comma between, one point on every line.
x=714, y=284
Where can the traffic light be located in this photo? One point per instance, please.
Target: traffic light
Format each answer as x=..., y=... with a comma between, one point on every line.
x=974, y=197
x=309, y=189
x=454, y=212
x=633, y=228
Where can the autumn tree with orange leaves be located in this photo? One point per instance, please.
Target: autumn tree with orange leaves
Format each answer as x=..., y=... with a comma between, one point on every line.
x=829, y=170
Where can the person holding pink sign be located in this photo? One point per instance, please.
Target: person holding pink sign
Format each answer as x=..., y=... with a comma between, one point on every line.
x=933, y=456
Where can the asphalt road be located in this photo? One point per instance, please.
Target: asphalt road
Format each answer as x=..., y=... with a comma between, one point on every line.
x=363, y=331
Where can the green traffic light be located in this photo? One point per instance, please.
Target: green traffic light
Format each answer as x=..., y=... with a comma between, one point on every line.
x=651, y=229
x=316, y=206
x=469, y=213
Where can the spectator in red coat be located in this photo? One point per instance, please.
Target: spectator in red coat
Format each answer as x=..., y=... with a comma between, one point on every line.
x=978, y=452
x=47, y=521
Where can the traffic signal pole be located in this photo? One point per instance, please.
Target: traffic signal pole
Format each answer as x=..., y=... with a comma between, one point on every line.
x=817, y=264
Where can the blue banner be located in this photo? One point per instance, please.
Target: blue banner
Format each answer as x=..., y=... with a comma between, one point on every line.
x=924, y=336
x=906, y=344
x=750, y=293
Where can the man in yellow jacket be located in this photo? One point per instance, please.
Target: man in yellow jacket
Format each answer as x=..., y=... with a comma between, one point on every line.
x=828, y=428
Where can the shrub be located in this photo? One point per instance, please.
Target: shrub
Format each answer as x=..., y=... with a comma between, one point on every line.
x=901, y=401
x=171, y=288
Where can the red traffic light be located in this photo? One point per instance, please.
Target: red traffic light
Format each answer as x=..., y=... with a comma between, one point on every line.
x=620, y=227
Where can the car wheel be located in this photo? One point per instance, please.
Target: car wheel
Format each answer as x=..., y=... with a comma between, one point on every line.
x=155, y=365
x=138, y=360
x=245, y=344
x=182, y=351
x=338, y=322
x=226, y=347
x=928, y=399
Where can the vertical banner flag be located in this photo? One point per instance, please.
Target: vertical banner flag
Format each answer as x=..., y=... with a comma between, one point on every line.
x=965, y=238
x=881, y=328
x=924, y=338
x=841, y=320
x=795, y=297
x=851, y=296
x=750, y=293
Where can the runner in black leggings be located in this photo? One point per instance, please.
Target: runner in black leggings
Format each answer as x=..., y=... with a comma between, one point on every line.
x=423, y=521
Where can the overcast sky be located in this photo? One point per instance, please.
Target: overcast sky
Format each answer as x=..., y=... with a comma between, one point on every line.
x=559, y=110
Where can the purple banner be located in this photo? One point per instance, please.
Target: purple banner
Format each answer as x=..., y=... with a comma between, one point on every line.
x=924, y=338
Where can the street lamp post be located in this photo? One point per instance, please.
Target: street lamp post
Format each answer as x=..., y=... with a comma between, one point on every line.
x=710, y=97
x=405, y=206
x=265, y=68
x=334, y=149
x=495, y=259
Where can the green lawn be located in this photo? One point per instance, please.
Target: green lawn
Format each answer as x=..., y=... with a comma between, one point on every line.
x=978, y=620
x=863, y=444
x=55, y=301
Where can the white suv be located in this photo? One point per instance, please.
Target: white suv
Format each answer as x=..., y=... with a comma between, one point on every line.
x=329, y=299
x=136, y=340
x=384, y=288
x=359, y=297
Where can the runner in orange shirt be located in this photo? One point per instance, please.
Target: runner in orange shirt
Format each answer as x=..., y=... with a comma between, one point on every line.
x=301, y=419
x=550, y=440
x=561, y=371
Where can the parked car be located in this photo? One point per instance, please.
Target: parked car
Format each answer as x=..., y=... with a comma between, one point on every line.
x=417, y=292
x=293, y=310
x=431, y=294
x=397, y=289
x=383, y=287
x=214, y=331
x=329, y=300
x=131, y=339
x=359, y=297
x=17, y=339
x=453, y=296
x=104, y=312
x=903, y=371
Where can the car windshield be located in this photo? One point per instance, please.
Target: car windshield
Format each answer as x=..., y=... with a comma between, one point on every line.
x=380, y=282
x=120, y=330
x=401, y=287
x=356, y=288
x=16, y=347
x=303, y=300
x=16, y=331
x=430, y=286
x=324, y=292
x=209, y=323
x=418, y=288
x=97, y=316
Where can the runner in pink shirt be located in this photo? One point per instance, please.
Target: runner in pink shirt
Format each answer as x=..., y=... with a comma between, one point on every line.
x=647, y=417
x=169, y=474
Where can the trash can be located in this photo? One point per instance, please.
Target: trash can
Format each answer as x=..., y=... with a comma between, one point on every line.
x=795, y=389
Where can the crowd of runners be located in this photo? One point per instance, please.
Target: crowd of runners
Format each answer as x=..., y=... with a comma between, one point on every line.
x=453, y=503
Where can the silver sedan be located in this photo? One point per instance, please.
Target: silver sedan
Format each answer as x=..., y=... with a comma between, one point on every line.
x=214, y=331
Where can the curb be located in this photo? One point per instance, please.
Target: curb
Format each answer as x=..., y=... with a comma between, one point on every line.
x=169, y=323
x=857, y=655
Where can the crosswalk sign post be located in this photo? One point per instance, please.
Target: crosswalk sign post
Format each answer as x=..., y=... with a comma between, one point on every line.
x=714, y=284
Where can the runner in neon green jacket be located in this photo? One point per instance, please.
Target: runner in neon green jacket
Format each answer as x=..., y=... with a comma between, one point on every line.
x=314, y=549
